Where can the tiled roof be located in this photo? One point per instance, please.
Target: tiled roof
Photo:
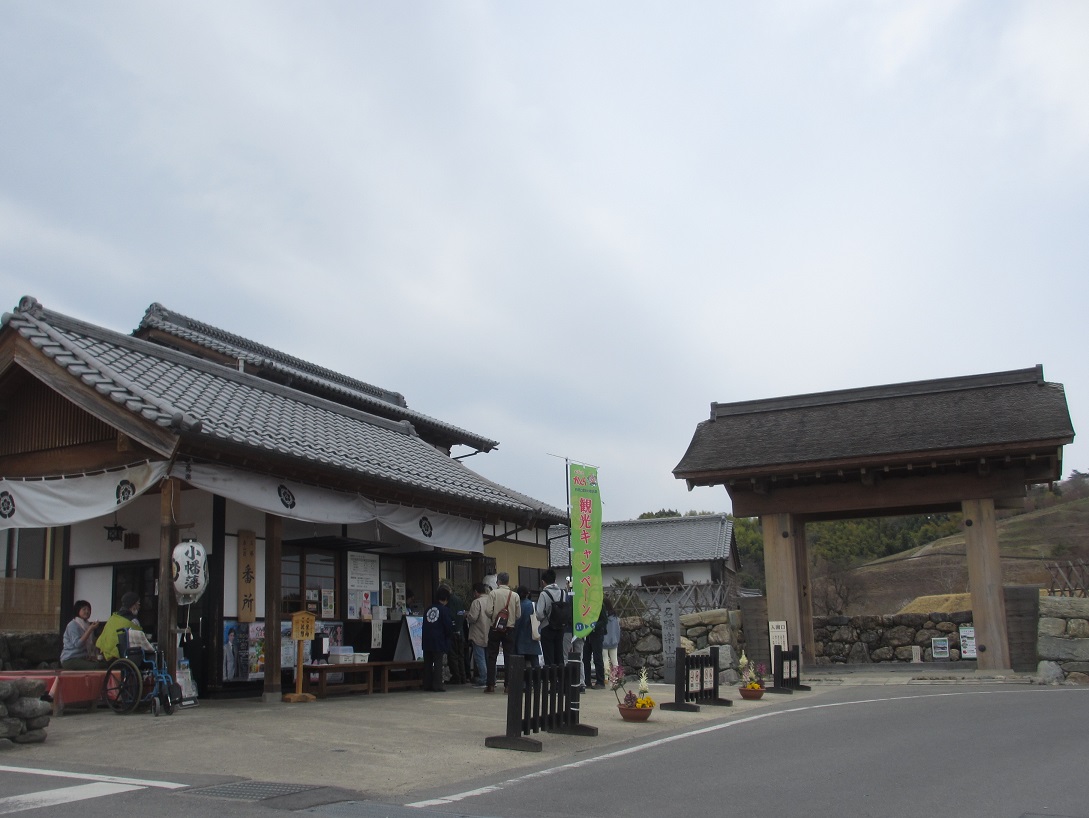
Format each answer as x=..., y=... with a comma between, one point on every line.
x=309, y=377
x=212, y=405
x=663, y=540
x=974, y=412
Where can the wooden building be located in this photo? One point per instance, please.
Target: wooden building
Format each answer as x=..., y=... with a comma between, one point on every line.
x=970, y=444
x=309, y=489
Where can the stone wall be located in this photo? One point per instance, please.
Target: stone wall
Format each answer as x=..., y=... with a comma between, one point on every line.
x=641, y=641
x=23, y=714
x=889, y=638
x=30, y=651
x=1062, y=641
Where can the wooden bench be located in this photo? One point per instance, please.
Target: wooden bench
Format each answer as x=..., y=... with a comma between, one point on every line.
x=380, y=677
x=67, y=688
x=363, y=671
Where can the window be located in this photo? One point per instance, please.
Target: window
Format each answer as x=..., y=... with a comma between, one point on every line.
x=530, y=577
x=26, y=553
x=304, y=574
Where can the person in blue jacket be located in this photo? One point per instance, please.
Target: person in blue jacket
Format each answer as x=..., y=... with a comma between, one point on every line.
x=438, y=631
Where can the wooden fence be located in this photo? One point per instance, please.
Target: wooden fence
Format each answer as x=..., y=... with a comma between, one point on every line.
x=1070, y=578
x=638, y=600
x=29, y=604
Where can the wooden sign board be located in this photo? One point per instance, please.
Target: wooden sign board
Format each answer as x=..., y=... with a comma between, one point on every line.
x=302, y=626
x=777, y=635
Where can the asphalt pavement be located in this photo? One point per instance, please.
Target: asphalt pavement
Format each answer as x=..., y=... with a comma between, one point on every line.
x=382, y=746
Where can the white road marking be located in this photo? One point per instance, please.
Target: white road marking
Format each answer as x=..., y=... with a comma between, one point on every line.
x=106, y=779
x=63, y=795
x=449, y=799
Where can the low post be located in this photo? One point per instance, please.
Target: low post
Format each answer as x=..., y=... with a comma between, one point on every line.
x=539, y=699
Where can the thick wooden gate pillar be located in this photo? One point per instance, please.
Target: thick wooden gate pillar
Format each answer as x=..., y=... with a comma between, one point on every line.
x=274, y=528
x=985, y=579
x=781, y=571
x=805, y=597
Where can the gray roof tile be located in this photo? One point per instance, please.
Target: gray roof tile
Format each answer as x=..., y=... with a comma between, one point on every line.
x=998, y=409
x=204, y=402
x=663, y=540
x=308, y=376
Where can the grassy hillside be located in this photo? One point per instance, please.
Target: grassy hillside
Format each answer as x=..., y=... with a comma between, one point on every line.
x=1026, y=542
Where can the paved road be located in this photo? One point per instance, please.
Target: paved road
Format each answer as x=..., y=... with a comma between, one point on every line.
x=855, y=750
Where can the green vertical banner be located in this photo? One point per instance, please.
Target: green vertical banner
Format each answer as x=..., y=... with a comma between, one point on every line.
x=585, y=547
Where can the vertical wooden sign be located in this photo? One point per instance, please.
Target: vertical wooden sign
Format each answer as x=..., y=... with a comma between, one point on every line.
x=247, y=576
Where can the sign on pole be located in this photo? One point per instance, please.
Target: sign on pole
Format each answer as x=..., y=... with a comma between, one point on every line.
x=585, y=547
x=777, y=635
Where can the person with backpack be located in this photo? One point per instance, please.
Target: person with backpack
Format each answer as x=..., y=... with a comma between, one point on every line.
x=555, y=613
x=506, y=606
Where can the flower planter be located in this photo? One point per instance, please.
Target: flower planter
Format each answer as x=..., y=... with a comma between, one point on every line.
x=636, y=713
x=750, y=693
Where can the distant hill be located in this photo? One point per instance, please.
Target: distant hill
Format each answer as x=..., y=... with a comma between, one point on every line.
x=1026, y=541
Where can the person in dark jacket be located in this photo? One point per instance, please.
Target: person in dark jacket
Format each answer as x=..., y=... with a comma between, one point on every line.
x=438, y=631
x=524, y=643
x=455, y=659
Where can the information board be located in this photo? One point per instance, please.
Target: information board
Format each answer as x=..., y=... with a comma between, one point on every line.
x=967, y=642
x=670, y=622
x=362, y=571
x=939, y=647
x=777, y=635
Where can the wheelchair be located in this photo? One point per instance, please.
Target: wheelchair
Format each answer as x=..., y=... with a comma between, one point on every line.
x=139, y=676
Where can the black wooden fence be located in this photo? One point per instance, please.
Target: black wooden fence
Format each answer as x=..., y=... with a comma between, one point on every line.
x=540, y=698
x=695, y=680
x=786, y=671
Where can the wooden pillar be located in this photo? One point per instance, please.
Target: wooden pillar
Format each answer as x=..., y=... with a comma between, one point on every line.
x=274, y=527
x=985, y=579
x=805, y=598
x=167, y=636
x=781, y=572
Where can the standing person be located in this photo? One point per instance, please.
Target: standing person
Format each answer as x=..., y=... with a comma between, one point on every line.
x=552, y=628
x=438, y=628
x=610, y=644
x=591, y=653
x=572, y=647
x=77, y=652
x=124, y=618
x=506, y=607
x=479, y=617
x=524, y=643
x=456, y=657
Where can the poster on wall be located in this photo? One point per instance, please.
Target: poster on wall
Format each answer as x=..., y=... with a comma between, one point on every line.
x=362, y=572
x=387, y=594
x=399, y=595
x=328, y=607
x=313, y=596
x=257, y=650
x=236, y=647
x=359, y=604
x=288, y=647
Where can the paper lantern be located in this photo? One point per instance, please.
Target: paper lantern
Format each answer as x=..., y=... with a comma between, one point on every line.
x=189, y=568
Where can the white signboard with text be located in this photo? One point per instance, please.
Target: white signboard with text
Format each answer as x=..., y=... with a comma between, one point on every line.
x=777, y=635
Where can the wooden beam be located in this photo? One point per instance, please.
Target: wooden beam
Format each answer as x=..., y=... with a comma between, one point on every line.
x=805, y=637
x=83, y=458
x=985, y=580
x=888, y=494
x=274, y=538
x=168, y=606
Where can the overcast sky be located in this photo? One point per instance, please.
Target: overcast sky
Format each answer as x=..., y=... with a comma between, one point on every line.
x=569, y=227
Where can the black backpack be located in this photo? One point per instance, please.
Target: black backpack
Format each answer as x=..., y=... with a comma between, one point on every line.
x=562, y=614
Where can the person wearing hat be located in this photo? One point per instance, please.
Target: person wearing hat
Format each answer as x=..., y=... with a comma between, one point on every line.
x=124, y=618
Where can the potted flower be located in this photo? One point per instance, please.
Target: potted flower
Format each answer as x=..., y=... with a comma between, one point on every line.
x=632, y=707
x=752, y=678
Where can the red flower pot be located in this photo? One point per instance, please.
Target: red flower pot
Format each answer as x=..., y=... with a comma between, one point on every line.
x=635, y=713
x=750, y=693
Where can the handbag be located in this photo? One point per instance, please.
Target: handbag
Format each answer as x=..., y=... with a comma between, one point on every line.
x=534, y=628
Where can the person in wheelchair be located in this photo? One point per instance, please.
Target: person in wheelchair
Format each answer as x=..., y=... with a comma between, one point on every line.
x=123, y=618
